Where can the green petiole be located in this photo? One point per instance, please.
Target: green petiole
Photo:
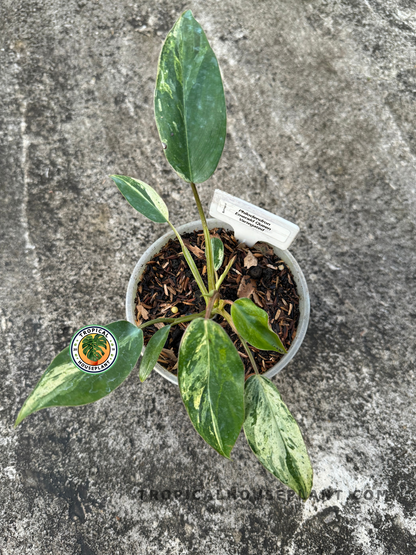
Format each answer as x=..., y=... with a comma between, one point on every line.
x=208, y=247
x=227, y=316
x=224, y=274
x=173, y=321
x=191, y=263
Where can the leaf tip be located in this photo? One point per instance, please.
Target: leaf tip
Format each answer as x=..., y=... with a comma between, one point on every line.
x=19, y=419
x=304, y=494
x=228, y=457
x=224, y=454
x=304, y=488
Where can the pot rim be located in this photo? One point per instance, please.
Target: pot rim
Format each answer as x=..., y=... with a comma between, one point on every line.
x=301, y=285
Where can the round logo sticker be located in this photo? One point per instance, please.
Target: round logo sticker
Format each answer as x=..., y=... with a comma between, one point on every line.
x=94, y=349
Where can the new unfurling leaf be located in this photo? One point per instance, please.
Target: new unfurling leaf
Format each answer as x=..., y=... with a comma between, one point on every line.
x=218, y=252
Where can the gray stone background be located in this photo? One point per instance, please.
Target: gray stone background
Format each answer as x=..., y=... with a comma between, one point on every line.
x=321, y=117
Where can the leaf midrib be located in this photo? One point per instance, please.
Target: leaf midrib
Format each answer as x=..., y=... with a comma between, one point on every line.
x=184, y=113
x=214, y=419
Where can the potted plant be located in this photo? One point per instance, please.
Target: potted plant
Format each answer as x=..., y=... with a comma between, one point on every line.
x=148, y=257
x=220, y=397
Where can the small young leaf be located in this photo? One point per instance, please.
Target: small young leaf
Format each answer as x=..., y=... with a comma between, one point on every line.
x=189, y=102
x=252, y=324
x=64, y=385
x=211, y=381
x=218, y=252
x=142, y=197
x=152, y=352
x=274, y=436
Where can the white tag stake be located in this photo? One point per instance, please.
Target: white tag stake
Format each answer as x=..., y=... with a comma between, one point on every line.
x=251, y=223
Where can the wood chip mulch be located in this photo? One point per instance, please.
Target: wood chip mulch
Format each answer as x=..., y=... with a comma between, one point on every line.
x=257, y=273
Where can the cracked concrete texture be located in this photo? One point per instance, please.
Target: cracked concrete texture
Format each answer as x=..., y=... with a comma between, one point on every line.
x=321, y=117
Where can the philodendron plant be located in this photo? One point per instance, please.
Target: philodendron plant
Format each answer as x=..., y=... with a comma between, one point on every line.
x=191, y=118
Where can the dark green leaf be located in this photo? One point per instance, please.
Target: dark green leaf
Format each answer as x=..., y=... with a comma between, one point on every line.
x=218, y=252
x=189, y=102
x=274, y=436
x=143, y=198
x=252, y=324
x=152, y=352
x=211, y=381
x=64, y=385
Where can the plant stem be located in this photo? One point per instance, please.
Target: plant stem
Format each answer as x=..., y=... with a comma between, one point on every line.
x=173, y=321
x=227, y=316
x=191, y=263
x=224, y=274
x=210, y=305
x=250, y=354
x=208, y=247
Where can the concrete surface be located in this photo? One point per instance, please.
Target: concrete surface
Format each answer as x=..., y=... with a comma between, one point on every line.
x=321, y=118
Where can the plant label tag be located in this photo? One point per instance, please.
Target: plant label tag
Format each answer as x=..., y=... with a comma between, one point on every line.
x=251, y=223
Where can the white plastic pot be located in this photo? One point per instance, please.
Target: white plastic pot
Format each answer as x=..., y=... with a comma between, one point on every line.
x=302, y=289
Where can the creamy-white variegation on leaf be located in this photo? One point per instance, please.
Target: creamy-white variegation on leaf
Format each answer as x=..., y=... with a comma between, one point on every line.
x=64, y=385
x=274, y=436
x=143, y=198
x=211, y=381
x=218, y=252
x=189, y=102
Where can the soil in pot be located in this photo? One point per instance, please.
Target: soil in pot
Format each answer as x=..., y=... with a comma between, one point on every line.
x=167, y=289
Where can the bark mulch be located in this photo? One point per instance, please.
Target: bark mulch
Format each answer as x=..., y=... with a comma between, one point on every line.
x=257, y=273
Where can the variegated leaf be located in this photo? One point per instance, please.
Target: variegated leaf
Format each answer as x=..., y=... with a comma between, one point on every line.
x=143, y=198
x=218, y=252
x=64, y=385
x=211, y=381
x=189, y=102
x=274, y=436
